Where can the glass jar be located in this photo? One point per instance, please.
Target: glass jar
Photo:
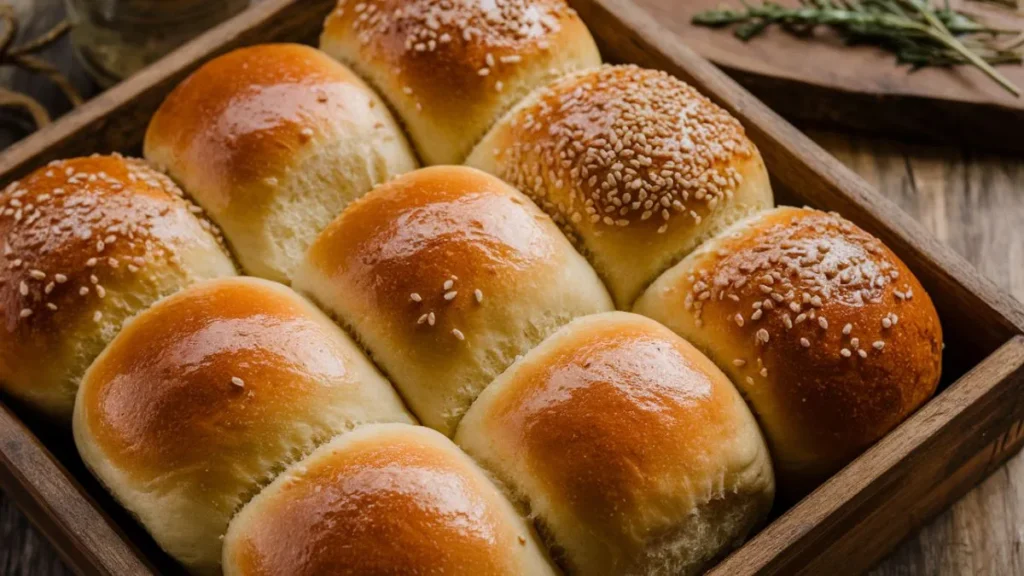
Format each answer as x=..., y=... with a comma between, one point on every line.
x=115, y=38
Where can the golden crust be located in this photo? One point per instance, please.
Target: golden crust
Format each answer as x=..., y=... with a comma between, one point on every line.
x=831, y=338
x=636, y=166
x=447, y=63
x=87, y=243
x=385, y=499
x=616, y=431
x=445, y=275
x=243, y=116
x=200, y=399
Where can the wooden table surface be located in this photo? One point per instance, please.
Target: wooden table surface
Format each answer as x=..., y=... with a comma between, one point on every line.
x=973, y=202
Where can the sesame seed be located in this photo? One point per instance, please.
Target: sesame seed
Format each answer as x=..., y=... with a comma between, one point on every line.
x=448, y=284
x=97, y=316
x=847, y=329
x=757, y=314
x=422, y=319
x=805, y=342
x=739, y=362
x=37, y=274
x=458, y=334
x=479, y=295
x=235, y=380
x=91, y=262
x=60, y=278
x=878, y=345
x=23, y=288
x=101, y=291
x=763, y=336
x=25, y=312
x=846, y=353
x=823, y=323
x=739, y=320
x=415, y=297
x=84, y=290
x=449, y=296
x=431, y=318
x=51, y=306
x=862, y=353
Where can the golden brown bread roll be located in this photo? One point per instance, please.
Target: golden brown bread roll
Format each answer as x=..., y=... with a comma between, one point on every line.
x=637, y=167
x=384, y=499
x=445, y=275
x=634, y=453
x=205, y=397
x=88, y=243
x=451, y=68
x=830, y=337
x=273, y=141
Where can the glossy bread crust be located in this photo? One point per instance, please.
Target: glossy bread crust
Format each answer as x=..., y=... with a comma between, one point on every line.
x=385, y=499
x=202, y=399
x=273, y=141
x=451, y=68
x=634, y=452
x=445, y=275
x=831, y=338
x=87, y=243
x=636, y=166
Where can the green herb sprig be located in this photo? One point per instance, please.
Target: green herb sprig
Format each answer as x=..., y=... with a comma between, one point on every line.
x=915, y=31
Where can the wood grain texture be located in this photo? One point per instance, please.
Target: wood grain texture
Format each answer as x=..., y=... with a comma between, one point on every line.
x=973, y=204
x=861, y=87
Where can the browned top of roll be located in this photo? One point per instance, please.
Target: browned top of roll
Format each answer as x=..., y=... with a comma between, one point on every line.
x=74, y=230
x=225, y=356
x=390, y=502
x=626, y=147
x=240, y=116
x=829, y=334
x=430, y=233
x=451, y=53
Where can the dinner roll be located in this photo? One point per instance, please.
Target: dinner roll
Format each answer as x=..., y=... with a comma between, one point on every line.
x=637, y=167
x=634, y=453
x=384, y=499
x=446, y=275
x=88, y=243
x=205, y=397
x=273, y=141
x=450, y=68
x=829, y=336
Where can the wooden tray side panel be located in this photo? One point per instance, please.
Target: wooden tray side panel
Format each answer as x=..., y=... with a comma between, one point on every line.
x=86, y=539
x=627, y=33
x=918, y=470
x=116, y=120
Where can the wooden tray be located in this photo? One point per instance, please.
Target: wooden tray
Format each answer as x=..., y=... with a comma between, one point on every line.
x=844, y=527
x=825, y=82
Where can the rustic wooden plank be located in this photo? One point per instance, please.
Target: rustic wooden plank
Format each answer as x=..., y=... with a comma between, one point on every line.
x=829, y=83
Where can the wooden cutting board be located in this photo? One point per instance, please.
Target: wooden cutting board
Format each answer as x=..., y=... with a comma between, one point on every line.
x=822, y=82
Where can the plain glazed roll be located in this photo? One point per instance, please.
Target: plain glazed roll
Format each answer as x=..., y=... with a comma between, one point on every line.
x=384, y=499
x=205, y=397
x=446, y=275
x=632, y=451
x=273, y=141
x=451, y=68
x=637, y=168
x=88, y=243
x=830, y=337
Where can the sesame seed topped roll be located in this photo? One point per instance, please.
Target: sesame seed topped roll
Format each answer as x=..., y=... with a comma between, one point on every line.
x=633, y=452
x=831, y=338
x=446, y=275
x=273, y=141
x=451, y=68
x=204, y=398
x=636, y=167
x=384, y=499
x=87, y=244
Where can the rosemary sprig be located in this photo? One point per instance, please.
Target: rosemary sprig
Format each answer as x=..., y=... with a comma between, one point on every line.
x=915, y=31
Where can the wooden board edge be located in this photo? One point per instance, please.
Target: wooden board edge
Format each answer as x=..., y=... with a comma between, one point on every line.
x=801, y=164
x=981, y=125
x=56, y=504
x=857, y=517
x=137, y=98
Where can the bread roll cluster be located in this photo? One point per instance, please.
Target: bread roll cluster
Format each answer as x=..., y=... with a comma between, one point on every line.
x=430, y=373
